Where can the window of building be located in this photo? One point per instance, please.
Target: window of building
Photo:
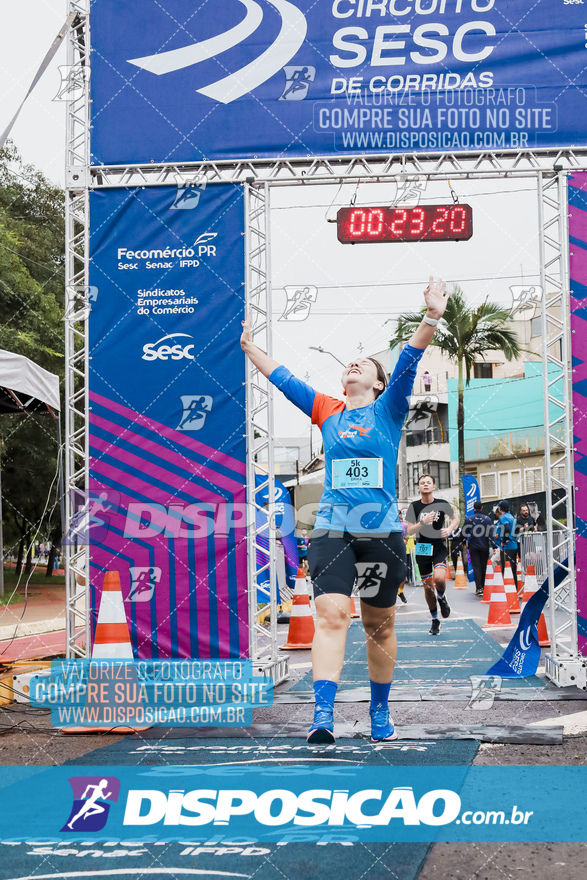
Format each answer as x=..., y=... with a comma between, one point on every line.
x=488, y=485
x=558, y=472
x=510, y=483
x=533, y=479
x=536, y=326
x=483, y=370
x=286, y=453
x=440, y=470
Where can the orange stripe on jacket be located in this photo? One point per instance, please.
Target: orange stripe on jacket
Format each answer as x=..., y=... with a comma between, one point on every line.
x=324, y=407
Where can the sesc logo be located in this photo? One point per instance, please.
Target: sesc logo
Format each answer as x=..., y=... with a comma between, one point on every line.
x=162, y=351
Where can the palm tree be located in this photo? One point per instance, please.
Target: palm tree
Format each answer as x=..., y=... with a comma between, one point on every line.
x=464, y=334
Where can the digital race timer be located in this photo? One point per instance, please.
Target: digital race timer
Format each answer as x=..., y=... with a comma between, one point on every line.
x=425, y=223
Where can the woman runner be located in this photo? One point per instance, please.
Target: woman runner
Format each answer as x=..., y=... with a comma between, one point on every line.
x=357, y=533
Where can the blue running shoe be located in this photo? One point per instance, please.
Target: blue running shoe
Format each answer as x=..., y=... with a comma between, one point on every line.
x=382, y=729
x=321, y=731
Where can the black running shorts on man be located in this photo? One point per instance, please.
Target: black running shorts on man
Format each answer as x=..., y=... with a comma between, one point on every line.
x=377, y=562
x=429, y=533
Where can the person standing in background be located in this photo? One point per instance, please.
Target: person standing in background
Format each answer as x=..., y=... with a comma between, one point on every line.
x=478, y=530
x=303, y=541
x=505, y=537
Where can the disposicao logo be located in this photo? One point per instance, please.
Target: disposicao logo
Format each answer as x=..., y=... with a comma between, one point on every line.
x=290, y=38
x=91, y=802
x=280, y=807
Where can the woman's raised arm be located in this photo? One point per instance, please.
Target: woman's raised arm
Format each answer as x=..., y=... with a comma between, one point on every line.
x=262, y=361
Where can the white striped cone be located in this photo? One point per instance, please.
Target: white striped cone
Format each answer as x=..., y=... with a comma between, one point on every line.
x=460, y=579
x=489, y=573
x=301, y=623
x=111, y=642
x=530, y=584
x=510, y=590
x=498, y=607
x=112, y=639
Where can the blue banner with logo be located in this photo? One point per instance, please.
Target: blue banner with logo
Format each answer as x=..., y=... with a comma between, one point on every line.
x=285, y=524
x=80, y=805
x=472, y=494
x=167, y=421
x=522, y=655
x=229, y=79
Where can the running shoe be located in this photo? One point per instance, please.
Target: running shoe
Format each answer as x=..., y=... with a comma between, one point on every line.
x=478, y=592
x=322, y=729
x=403, y=598
x=444, y=606
x=382, y=729
x=435, y=628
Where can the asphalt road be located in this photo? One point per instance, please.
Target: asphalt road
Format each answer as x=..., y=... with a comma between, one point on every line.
x=27, y=738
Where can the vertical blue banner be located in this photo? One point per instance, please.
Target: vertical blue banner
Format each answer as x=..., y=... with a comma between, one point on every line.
x=167, y=417
x=472, y=494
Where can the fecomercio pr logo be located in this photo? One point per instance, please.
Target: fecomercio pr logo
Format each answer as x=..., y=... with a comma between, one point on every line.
x=163, y=351
x=92, y=797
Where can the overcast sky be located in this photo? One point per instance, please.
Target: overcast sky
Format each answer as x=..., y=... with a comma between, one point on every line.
x=28, y=27
x=359, y=286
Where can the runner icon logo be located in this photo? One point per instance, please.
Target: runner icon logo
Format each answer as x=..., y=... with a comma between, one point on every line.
x=483, y=691
x=142, y=582
x=369, y=578
x=297, y=82
x=195, y=409
x=188, y=192
x=91, y=796
x=299, y=302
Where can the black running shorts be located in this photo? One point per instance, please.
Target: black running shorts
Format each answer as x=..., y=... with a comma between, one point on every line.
x=378, y=563
x=426, y=564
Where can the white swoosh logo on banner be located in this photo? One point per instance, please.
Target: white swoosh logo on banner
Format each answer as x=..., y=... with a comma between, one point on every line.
x=176, y=59
x=290, y=38
x=525, y=639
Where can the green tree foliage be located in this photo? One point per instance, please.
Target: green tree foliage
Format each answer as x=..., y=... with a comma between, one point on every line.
x=465, y=334
x=31, y=324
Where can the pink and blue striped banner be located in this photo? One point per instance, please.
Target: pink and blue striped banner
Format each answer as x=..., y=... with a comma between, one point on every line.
x=167, y=421
x=578, y=273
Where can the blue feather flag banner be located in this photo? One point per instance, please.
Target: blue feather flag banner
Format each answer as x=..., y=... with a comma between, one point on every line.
x=522, y=655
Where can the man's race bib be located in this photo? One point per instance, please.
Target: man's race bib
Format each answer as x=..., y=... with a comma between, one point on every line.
x=423, y=549
x=357, y=473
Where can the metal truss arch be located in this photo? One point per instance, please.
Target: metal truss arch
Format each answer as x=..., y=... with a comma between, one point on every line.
x=548, y=167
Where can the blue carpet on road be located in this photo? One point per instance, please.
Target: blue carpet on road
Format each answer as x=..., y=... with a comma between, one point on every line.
x=218, y=856
x=265, y=751
x=462, y=649
x=330, y=859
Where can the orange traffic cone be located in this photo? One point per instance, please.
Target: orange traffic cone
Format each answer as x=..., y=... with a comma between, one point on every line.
x=543, y=639
x=510, y=590
x=488, y=583
x=354, y=613
x=301, y=623
x=111, y=639
x=111, y=642
x=460, y=579
x=530, y=584
x=498, y=608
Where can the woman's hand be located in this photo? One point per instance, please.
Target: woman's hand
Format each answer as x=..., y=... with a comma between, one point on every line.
x=246, y=334
x=436, y=298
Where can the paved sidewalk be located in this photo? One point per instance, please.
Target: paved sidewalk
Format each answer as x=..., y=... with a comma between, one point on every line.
x=35, y=627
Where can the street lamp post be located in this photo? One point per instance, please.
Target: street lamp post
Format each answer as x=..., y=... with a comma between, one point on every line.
x=324, y=351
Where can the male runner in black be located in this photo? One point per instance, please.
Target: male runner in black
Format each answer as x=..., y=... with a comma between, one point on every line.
x=430, y=521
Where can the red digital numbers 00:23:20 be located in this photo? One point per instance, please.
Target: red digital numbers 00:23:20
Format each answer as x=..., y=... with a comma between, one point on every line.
x=423, y=223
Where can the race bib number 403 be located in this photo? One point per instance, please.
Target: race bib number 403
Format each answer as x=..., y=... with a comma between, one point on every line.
x=357, y=473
